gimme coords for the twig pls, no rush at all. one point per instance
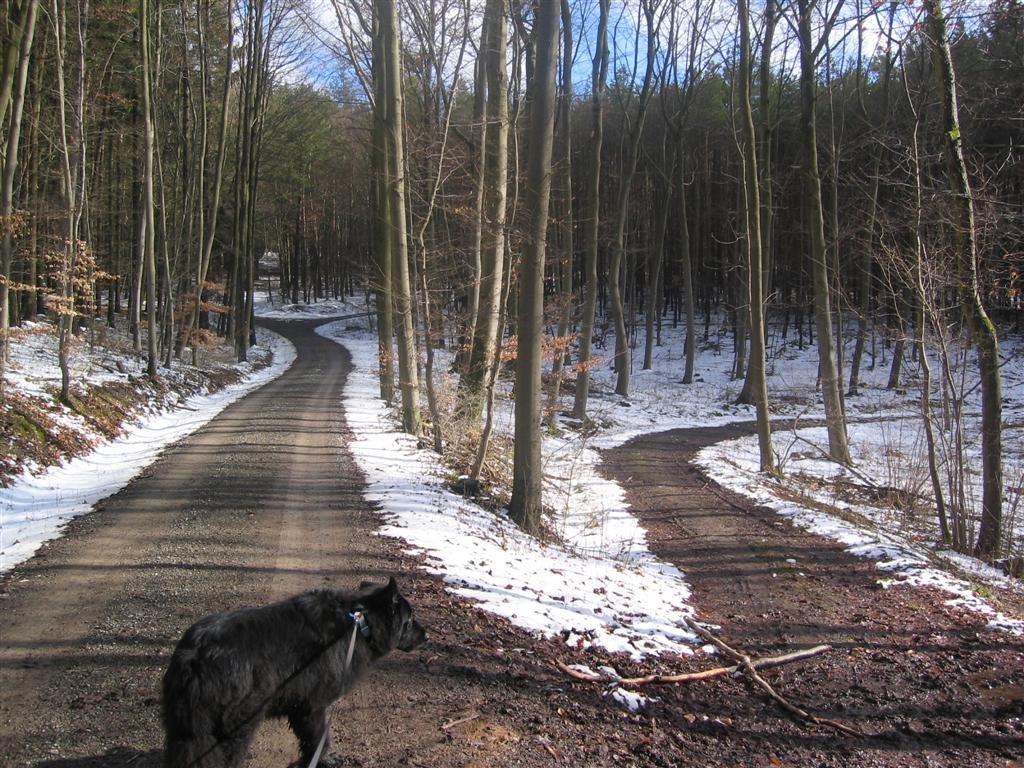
(848, 467)
(689, 677)
(748, 667)
(452, 723)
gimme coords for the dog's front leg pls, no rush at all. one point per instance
(309, 727)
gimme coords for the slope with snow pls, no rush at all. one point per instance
(37, 505)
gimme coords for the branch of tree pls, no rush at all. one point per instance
(749, 668)
(689, 677)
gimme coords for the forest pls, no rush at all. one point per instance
(518, 180)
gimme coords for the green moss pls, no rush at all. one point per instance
(983, 591)
(26, 429)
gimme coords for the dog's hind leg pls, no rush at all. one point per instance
(236, 750)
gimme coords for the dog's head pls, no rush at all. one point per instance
(391, 618)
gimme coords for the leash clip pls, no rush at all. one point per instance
(359, 620)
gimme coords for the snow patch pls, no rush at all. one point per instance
(734, 464)
(604, 589)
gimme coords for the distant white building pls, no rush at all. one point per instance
(269, 263)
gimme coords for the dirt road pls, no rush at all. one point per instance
(265, 501)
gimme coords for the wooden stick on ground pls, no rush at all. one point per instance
(459, 721)
(748, 666)
(689, 677)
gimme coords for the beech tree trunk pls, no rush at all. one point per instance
(756, 378)
(148, 259)
(627, 172)
(381, 280)
(494, 191)
(591, 214)
(814, 209)
(208, 230)
(408, 375)
(14, 97)
(565, 288)
(527, 472)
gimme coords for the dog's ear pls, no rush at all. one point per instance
(393, 589)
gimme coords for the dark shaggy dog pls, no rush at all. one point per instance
(290, 659)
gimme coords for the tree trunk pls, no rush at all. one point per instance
(686, 268)
(479, 156)
(766, 137)
(752, 206)
(208, 232)
(10, 157)
(71, 137)
(148, 259)
(919, 333)
(565, 288)
(381, 281)
(982, 329)
(494, 189)
(590, 215)
(655, 257)
(407, 363)
(527, 472)
(836, 419)
(622, 208)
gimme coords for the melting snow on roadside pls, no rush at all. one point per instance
(607, 590)
(734, 464)
(34, 508)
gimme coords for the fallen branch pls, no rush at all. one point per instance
(749, 668)
(452, 723)
(689, 677)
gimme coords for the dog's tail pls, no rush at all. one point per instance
(190, 737)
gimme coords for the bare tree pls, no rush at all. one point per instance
(599, 76)
(627, 171)
(981, 327)
(809, 51)
(752, 209)
(387, 15)
(527, 473)
(495, 181)
(71, 151)
(15, 78)
(148, 256)
(383, 262)
(207, 228)
(565, 266)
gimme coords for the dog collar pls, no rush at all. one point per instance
(359, 620)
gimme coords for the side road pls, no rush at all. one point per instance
(929, 682)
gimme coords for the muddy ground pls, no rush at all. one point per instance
(266, 501)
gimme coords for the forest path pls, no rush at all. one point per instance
(932, 681)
